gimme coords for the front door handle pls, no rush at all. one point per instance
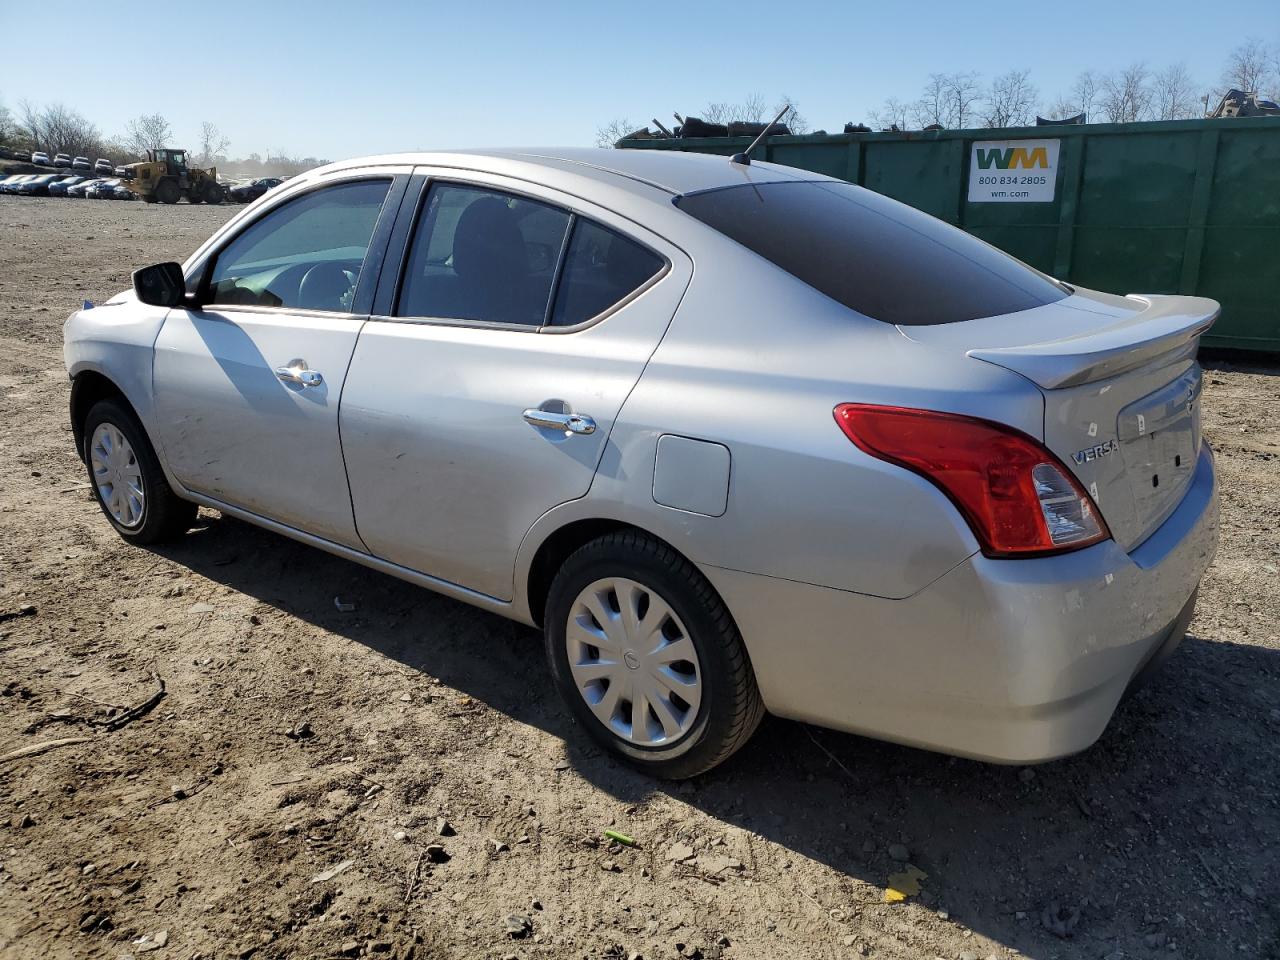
(297, 372)
(569, 422)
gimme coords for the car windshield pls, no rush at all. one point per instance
(875, 255)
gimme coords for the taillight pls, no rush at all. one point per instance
(1017, 497)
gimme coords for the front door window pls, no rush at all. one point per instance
(307, 253)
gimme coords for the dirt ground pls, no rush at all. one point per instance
(213, 826)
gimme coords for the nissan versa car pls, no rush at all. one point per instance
(737, 437)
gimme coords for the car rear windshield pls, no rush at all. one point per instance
(875, 255)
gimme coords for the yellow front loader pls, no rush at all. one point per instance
(165, 178)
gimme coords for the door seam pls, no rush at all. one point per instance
(342, 450)
(521, 594)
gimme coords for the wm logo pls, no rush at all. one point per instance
(1011, 158)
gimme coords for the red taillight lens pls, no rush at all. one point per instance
(1017, 497)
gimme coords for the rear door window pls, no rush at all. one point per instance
(483, 255)
(601, 268)
(879, 257)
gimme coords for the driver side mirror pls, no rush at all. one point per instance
(160, 285)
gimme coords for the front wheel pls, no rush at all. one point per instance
(127, 479)
(168, 192)
(648, 658)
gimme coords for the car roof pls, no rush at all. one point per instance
(638, 171)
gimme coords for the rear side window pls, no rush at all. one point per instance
(483, 255)
(600, 268)
(879, 257)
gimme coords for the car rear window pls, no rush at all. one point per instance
(880, 257)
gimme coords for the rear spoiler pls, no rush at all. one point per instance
(1166, 324)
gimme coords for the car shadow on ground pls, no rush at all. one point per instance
(1157, 835)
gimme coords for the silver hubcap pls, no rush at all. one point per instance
(633, 662)
(117, 475)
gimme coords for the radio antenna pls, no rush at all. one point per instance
(744, 158)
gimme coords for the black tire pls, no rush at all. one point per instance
(730, 708)
(214, 195)
(165, 516)
(194, 198)
(167, 191)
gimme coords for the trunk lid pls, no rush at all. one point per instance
(1121, 390)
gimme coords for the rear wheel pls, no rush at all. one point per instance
(167, 192)
(127, 479)
(648, 658)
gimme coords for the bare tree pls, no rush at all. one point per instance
(718, 112)
(931, 108)
(212, 143)
(56, 129)
(1174, 94)
(892, 113)
(1126, 96)
(1082, 98)
(1086, 92)
(606, 136)
(8, 128)
(30, 125)
(150, 131)
(964, 93)
(796, 121)
(1061, 108)
(753, 109)
(66, 131)
(1249, 66)
(948, 100)
(1011, 101)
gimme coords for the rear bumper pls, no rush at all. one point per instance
(1011, 661)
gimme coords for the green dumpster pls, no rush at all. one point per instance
(1182, 206)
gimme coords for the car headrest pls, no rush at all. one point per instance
(487, 242)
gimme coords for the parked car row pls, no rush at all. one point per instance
(100, 166)
(60, 185)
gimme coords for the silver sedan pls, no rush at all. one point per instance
(737, 437)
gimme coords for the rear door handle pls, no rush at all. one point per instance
(569, 422)
(297, 372)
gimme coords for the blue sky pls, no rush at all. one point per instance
(339, 79)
